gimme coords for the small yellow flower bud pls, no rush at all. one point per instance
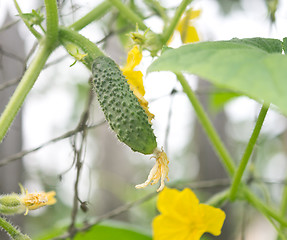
(32, 201)
(19, 203)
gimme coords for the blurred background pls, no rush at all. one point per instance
(110, 170)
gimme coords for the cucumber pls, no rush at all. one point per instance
(121, 107)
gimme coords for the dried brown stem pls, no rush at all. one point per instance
(78, 153)
(71, 133)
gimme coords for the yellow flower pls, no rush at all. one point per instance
(135, 78)
(186, 28)
(32, 201)
(184, 218)
(158, 172)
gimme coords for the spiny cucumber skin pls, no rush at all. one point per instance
(121, 107)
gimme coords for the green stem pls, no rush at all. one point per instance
(46, 47)
(160, 10)
(222, 152)
(67, 36)
(23, 88)
(12, 231)
(247, 153)
(219, 199)
(278, 229)
(170, 29)
(208, 127)
(51, 22)
(283, 207)
(265, 210)
(93, 15)
(128, 14)
(32, 30)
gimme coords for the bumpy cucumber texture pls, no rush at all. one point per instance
(121, 107)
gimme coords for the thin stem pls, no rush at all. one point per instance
(68, 134)
(79, 159)
(32, 30)
(226, 159)
(128, 14)
(12, 231)
(8, 25)
(208, 127)
(160, 10)
(218, 199)
(248, 152)
(23, 89)
(170, 29)
(67, 36)
(278, 229)
(265, 210)
(283, 207)
(93, 15)
(51, 22)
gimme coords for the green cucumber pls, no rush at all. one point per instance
(121, 107)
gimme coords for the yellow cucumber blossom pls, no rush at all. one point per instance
(183, 217)
(186, 28)
(32, 201)
(135, 78)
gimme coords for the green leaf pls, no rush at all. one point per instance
(112, 230)
(254, 67)
(34, 18)
(267, 44)
(104, 232)
(51, 233)
(218, 99)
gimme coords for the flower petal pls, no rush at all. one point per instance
(187, 205)
(213, 218)
(189, 35)
(135, 79)
(51, 197)
(169, 228)
(167, 199)
(134, 59)
(184, 204)
(194, 14)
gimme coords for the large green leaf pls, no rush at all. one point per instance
(254, 67)
(104, 232)
(112, 231)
